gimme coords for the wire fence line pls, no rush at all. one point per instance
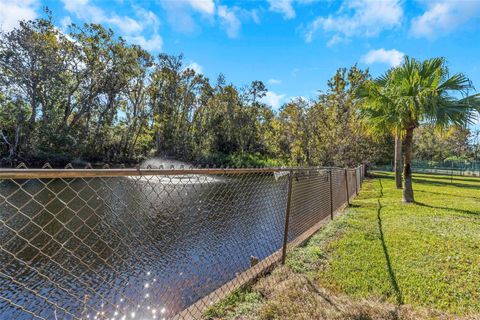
(453, 167)
(448, 167)
(152, 243)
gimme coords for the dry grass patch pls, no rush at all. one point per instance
(290, 295)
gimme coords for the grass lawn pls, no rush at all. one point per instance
(381, 260)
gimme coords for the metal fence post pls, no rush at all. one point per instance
(287, 218)
(451, 176)
(356, 181)
(346, 186)
(331, 194)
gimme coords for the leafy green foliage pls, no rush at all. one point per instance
(452, 143)
(90, 95)
(252, 160)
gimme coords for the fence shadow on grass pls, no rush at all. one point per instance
(475, 213)
(438, 183)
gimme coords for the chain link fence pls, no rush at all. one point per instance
(152, 243)
(447, 167)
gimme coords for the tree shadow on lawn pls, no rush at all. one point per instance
(448, 194)
(391, 272)
(425, 179)
(436, 176)
(382, 175)
(475, 213)
(422, 180)
(445, 183)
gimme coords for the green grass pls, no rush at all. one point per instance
(425, 254)
(382, 256)
(239, 302)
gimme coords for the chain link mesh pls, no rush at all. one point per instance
(153, 246)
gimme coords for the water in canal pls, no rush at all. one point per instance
(142, 247)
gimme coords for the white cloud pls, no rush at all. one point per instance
(391, 57)
(206, 7)
(130, 28)
(254, 16)
(152, 44)
(147, 17)
(195, 67)
(65, 22)
(179, 17)
(442, 17)
(284, 7)
(247, 15)
(274, 81)
(336, 39)
(229, 21)
(273, 99)
(82, 9)
(203, 6)
(358, 18)
(180, 13)
(12, 12)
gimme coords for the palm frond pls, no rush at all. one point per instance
(416, 92)
(458, 82)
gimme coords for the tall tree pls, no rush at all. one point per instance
(425, 92)
(379, 110)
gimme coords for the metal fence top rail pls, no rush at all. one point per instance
(49, 173)
(75, 243)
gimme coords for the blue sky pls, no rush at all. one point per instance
(294, 46)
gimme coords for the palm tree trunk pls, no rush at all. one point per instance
(398, 160)
(407, 170)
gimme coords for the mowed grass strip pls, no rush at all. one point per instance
(426, 253)
(381, 260)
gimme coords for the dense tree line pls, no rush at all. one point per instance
(91, 96)
(455, 143)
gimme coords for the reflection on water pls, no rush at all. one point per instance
(137, 247)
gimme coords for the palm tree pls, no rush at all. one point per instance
(425, 92)
(379, 112)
